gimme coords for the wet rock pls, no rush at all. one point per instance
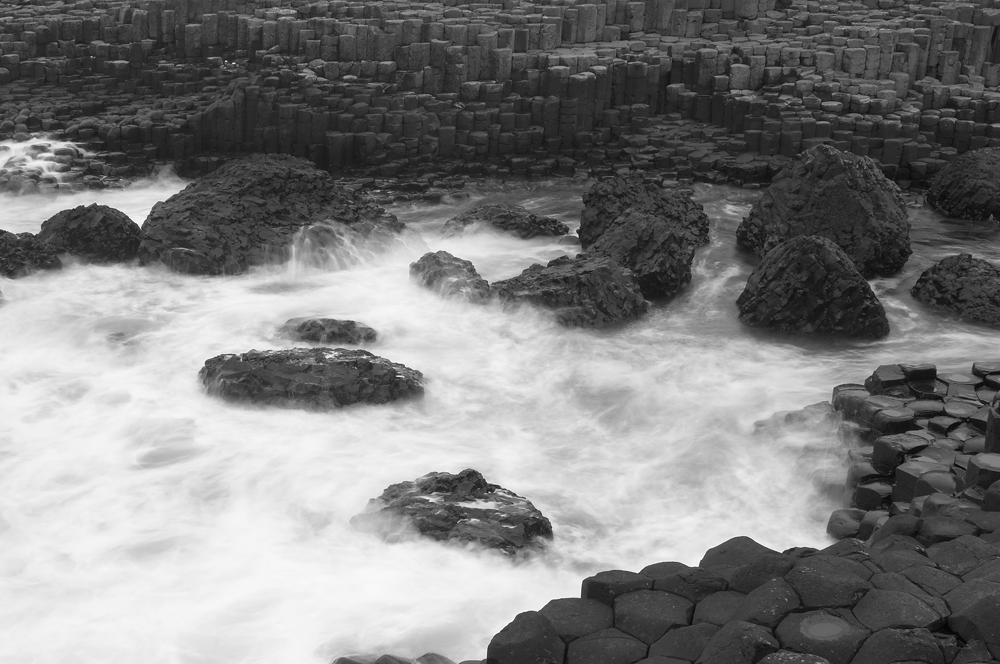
(572, 617)
(23, 254)
(967, 187)
(820, 633)
(450, 276)
(963, 284)
(899, 645)
(649, 614)
(611, 198)
(310, 378)
(528, 638)
(686, 643)
(881, 609)
(718, 608)
(249, 211)
(739, 643)
(609, 646)
(328, 331)
(461, 507)
(822, 587)
(585, 291)
(838, 196)
(694, 584)
(506, 217)
(809, 286)
(97, 233)
(789, 657)
(758, 572)
(606, 586)
(767, 605)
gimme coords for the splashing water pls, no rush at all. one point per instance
(141, 520)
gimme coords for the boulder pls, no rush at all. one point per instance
(586, 291)
(611, 198)
(968, 187)
(328, 331)
(23, 254)
(97, 233)
(808, 286)
(461, 507)
(963, 284)
(838, 196)
(505, 217)
(659, 250)
(450, 276)
(310, 378)
(249, 211)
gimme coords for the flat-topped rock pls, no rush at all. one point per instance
(309, 378)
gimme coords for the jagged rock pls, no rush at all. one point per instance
(328, 331)
(808, 286)
(968, 187)
(506, 217)
(963, 284)
(23, 253)
(586, 291)
(649, 230)
(839, 196)
(249, 211)
(95, 232)
(311, 378)
(611, 198)
(450, 276)
(464, 508)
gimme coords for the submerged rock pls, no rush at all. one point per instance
(609, 199)
(586, 291)
(463, 508)
(23, 254)
(94, 232)
(839, 196)
(310, 378)
(506, 217)
(969, 186)
(249, 211)
(809, 286)
(450, 276)
(966, 285)
(328, 331)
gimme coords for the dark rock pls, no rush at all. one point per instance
(528, 638)
(22, 254)
(844, 523)
(758, 572)
(789, 657)
(505, 217)
(983, 470)
(718, 608)
(967, 187)
(991, 499)
(663, 569)
(573, 618)
(767, 605)
(464, 508)
(820, 633)
(94, 232)
(450, 276)
(962, 555)
(611, 198)
(734, 552)
(686, 643)
(838, 196)
(979, 621)
(606, 586)
(738, 643)
(249, 211)
(935, 529)
(609, 646)
(649, 614)
(963, 597)
(820, 587)
(963, 284)
(585, 291)
(881, 609)
(899, 645)
(931, 579)
(694, 584)
(328, 331)
(809, 286)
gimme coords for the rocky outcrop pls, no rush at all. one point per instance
(966, 285)
(514, 219)
(611, 198)
(586, 291)
(96, 233)
(809, 286)
(249, 211)
(22, 254)
(309, 378)
(328, 331)
(969, 186)
(450, 276)
(839, 196)
(461, 508)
